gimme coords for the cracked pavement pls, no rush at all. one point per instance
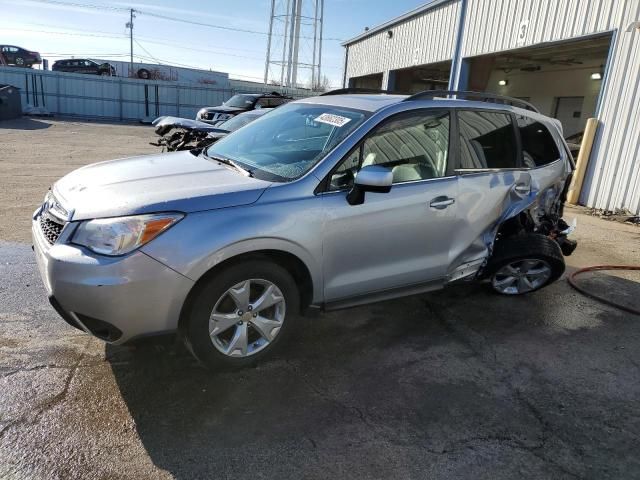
(454, 384)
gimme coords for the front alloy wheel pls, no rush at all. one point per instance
(241, 313)
(247, 318)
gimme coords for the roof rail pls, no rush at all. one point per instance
(345, 91)
(480, 96)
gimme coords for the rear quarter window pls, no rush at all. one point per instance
(538, 146)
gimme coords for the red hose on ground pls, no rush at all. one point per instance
(573, 283)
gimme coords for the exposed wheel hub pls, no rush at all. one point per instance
(247, 318)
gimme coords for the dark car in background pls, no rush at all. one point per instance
(243, 102)
(19, 56)
(83, 65)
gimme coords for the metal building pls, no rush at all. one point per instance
(573, 59)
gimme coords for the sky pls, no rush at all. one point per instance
(96, 29)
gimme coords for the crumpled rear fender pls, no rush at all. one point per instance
(486, 200)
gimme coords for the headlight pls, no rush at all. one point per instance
(118, 236)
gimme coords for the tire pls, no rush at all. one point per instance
(213, 296)
(524, 263)
(144, 74)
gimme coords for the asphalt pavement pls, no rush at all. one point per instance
(455, 384)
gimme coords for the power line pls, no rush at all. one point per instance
(146, 51)
(220, 27)
(162, 17)
(122, 36)
(82, 5)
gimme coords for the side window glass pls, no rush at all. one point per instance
(538, 146)
(414, 146)
(487, 140)
(343, 177)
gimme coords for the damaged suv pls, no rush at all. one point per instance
(327, 202)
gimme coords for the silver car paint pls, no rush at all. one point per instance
(135, 293)
(393, 240)
(177, 181)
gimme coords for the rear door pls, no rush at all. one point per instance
(492, 181)
(399, 239)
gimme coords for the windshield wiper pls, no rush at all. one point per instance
(228, 161)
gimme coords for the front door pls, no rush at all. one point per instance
(400, 238)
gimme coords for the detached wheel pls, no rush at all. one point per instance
(144, 74)
(523, 264)
(242, 314)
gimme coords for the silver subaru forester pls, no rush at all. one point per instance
(327, 202)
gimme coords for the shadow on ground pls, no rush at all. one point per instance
(24, 123)
(459, 383)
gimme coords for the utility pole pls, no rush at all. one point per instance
(130, 27)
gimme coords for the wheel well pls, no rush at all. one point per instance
(286, 260)
(516, 225)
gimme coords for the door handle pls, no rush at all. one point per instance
(440, 203)
(522, 188)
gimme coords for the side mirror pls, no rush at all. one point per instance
(372, 178)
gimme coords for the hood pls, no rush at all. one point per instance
(166, 124)
(225, 109)
(178, 181)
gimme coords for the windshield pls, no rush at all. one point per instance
(236, 122)
(240, 101)
(286, 143)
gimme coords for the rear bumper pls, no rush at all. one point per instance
(112, 298)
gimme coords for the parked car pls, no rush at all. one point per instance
(83, 65)
(242, 102)
(186, 134)
(19, 56)
(325, 203)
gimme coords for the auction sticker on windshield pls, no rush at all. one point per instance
(331, 119)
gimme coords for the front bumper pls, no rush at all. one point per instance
(113, 298)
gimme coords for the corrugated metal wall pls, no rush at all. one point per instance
(613, 179)
(420, 40)
(117, 98)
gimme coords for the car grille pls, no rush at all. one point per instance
(217, 116)
(51, 230)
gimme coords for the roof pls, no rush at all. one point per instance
(406, 16)
(366, 102)
(374, 102)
